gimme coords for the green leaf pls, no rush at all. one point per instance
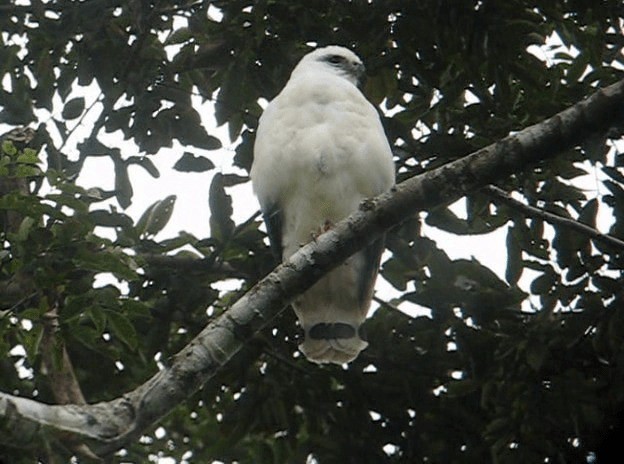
(235, 125)
(576, 68)
(461, 388)
(123, 187)
(25, 228)
(146, 163)
(135, 308)
(183, 238)
(110, 219)
(543, 284)
(206, 141)
(87, 336)
(192, 163)
(32, 341)
(514, 268)
(536, 353)
(230, 180)
(607, 285)
(28, 156)
(8, 148)
(447, 220)
(23, 171)
(156, 216)
(244, 151)
(114, 261)
(221, 224)
(395, 272)
(179, 36)
(122, 328)
(73, 108)
(614, 173)
(595, 148)
(98, 317)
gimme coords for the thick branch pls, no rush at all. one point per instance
(108, 426)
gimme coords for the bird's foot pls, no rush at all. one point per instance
(327, 225)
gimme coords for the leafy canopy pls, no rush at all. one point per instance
(525, 367)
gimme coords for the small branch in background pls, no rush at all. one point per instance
(287, 362)
(59, 370)
(386, 303)
(552, 218)
(11, 294)
(85, 113)
(57, 366)
(187, 264)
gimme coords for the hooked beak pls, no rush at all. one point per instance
(360, 72)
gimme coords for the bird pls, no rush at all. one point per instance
(320, 150)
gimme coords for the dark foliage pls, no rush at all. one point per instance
(525, 368)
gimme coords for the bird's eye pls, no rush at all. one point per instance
(335, 59)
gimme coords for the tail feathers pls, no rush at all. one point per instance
(336, 343)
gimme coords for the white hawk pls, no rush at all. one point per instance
(320, 150)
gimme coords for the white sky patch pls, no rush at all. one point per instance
(106, 278)
(553, 45)
(214, 13)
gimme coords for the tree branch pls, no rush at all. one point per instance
(190, 264)
(107, 426)
(56, 364)
(552, 218)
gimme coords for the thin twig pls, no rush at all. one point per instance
(386, 303)
(552, 218)
(84, 114)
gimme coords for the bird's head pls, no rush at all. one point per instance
(335, 59)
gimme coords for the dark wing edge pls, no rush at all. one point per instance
(368, 276)
(272, 216)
